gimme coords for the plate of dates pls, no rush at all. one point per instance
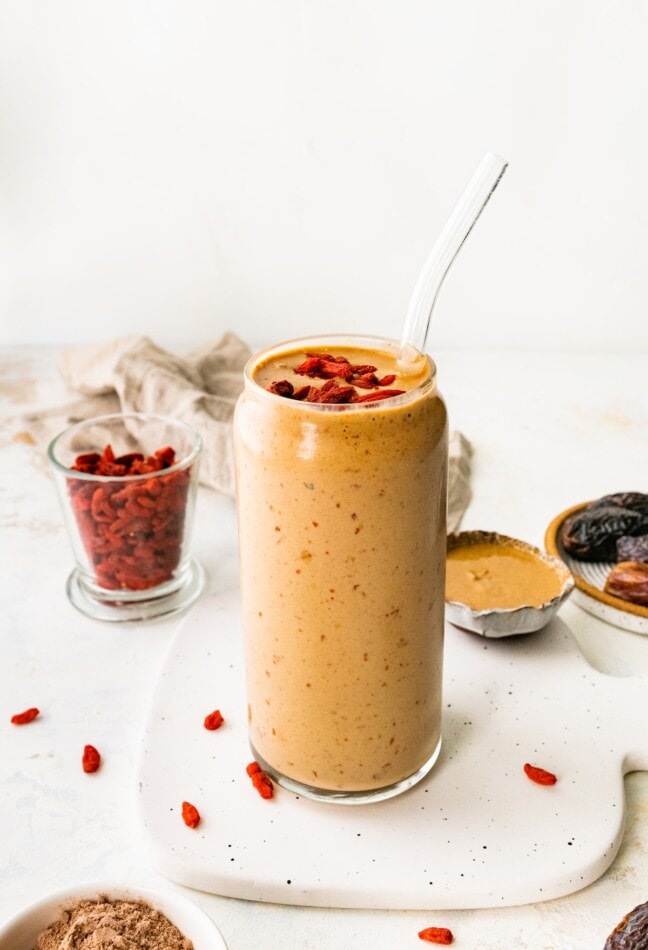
(604, 543)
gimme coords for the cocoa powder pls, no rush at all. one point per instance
(105, 924)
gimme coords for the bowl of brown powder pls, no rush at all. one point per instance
(109, 916)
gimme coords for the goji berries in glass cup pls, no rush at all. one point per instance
(127, 485)
(341, 464)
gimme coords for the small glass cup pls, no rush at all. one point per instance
(130, 533)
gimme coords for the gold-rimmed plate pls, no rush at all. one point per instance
(590, 577)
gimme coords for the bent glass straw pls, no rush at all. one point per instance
(475, 196)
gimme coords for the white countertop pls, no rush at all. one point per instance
(549, 430)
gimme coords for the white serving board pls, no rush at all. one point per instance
(475, 833)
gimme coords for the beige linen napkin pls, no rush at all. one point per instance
(459, 471)
(133, 374)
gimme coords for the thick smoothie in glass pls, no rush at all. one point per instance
(342, 532)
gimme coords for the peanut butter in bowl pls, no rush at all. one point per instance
(499, 586)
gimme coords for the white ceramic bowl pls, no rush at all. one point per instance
(21, 932)
(507, 622)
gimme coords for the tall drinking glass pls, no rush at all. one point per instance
(342, 531)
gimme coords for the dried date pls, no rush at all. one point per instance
(629, 581)
(592, 534)
(633, 549)
(631, 933)
(634, 500)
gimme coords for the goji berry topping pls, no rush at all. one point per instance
(21, 719)
(91, 759)
(214, 720)
(343, 379)
(190, 815)
(438, 935)
(261, 780)
(539, 776)
(132, 531)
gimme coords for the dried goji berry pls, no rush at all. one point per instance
(439, 935)
(282, 388)
(89, 461)
(214, 720)
(310, 366)
(364, 369)
(540, 776)
(91, 760)
(190, 815)
(21, 719)
(133, 534)
(332, 395)
(166, 456)
(332, 368)
(379, 394)
(129, 458)
(261, 780)
(263, 784)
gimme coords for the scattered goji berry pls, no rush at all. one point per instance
(540, 776)
(91, 760)
(261, 780)
(214, 720)
(21, 719)
(190, 815)
(439, 935)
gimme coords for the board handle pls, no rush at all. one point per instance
(628, 716)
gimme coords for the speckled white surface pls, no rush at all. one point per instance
(475, 833)
(549, 429)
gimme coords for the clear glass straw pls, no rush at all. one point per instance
(448, 244)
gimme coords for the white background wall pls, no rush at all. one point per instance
(179, 167)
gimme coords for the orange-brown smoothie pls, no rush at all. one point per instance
(342, 538)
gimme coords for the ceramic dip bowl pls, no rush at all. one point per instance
(499, 586)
